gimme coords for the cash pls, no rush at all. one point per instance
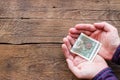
(86, 47)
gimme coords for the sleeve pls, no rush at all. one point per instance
(116, 56)
(106, 74)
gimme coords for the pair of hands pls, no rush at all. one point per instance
(104, 33)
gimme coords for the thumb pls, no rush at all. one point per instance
(104, 26)
(95, 34)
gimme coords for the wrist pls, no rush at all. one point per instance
(112, 51)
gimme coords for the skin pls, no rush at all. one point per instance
(80, 67)
(103, 32)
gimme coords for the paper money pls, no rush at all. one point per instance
(86, 47)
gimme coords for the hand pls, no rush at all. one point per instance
(103, 32)
(108, 36)
(80, 67)
(87, 29)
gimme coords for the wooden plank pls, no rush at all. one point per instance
(114, 1)
(38, 30)
(45, 21)
(57, 9)
(114, 7)
(60, 14)
(35, 62)
(38, 4)
(65, 14)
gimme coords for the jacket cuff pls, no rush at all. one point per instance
(105, 74)
(116, 56)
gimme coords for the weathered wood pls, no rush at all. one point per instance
(35, 62)
(94, 9)
(38, 30)
(114, 1)
(38, 4)
(56, 9)
(63, 14)
(43, 22)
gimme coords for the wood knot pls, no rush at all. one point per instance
(54, 6)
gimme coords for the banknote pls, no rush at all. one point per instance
(86, 47)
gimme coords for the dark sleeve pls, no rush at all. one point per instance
(116, 56)
(106, 74)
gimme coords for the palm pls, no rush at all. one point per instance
(83, 68)
(79, 66)
(108, 43)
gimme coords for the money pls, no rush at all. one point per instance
(86, 47)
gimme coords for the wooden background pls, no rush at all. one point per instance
(31, 33)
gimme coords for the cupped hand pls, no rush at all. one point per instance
(80, 67)
(103, 32)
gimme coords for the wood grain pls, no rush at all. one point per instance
(35, 62)
(38, 26)
(59, 9)
(38, 30)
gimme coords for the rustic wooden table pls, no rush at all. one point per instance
(31, 33)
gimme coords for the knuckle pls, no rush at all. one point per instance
(104, 22)
(115, 29)
(77, 25)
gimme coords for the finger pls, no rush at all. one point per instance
(66, 52)
(104, 26)
(75, 31)
(66, 41)
(71, 40)
(72, 67)
(87, 27)
(95, 34)
(75, 36)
